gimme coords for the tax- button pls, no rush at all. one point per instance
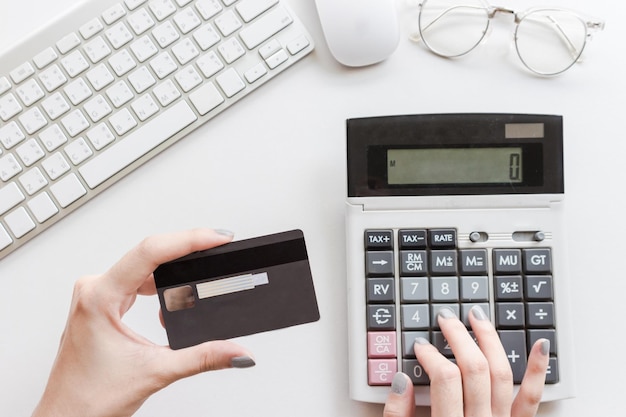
(379, 263)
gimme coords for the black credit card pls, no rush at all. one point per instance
(243, 287)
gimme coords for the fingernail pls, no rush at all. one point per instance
(446, 313)
(224, 232)
(242, 362)
(421, 341)
(479, 313)
(399, 383)
(545, 347)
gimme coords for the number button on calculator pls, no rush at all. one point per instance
(513, 286)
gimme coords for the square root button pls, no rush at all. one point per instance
(381, 371)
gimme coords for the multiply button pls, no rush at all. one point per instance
(378, 239)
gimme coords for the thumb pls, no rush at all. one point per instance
(209, 356)
(400, 402)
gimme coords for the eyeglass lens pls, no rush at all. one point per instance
(547, 41)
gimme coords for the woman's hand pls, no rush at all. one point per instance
(103, 368)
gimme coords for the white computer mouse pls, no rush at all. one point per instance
(359, 32)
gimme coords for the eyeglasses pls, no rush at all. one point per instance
(548, 41)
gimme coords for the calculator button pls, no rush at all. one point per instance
(381, 344)
(473, 261)
(552, 374)
(380, 290)
(539, 287)
(434, 309)
(415, 371)
(540, 314)
(415, 316)
(537, 261)
(474, 289)
(412, 239)
(408, 340)
(414, 290)
(508, 287)
(379, 263)
(381, 371)
(441, 343)
(413, 263)
(510, 315)
(533, 335)
(381, 317)
(467, 307)
(378, 239)
(444, 289)
(507, 261)
(443, 262)
(514, 342)
(442, 238)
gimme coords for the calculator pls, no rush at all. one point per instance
(455, 210)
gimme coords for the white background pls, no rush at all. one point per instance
(276, 161)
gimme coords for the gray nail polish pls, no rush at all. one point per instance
(242, 362)
(421, 341)
(446, 313)
(545, 347)
(398, 384)
(224, 232)
(479, 313)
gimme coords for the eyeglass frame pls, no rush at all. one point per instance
(591, 26)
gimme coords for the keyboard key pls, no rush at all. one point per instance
(113, 14)
(11, 135)
(119, 94)
(5, 85)
(165, 34)
(141, 79)
(187, 20)
(208, 8)
(42, 207)
(122, 122)
(78, 151)
(52, 137)
(44, 58)
(122, 62)
(77, 91)
(209, 64)
(10, 196)
(55, 106)
(9, 167)
(185, 51)
(206, 98)
(119, 35)
(100, 136)
(144, 107)
(250, 9)
(141, 141)
(230, 82)
(163, 65)
(188, 78)
(30, 152)
(5, 239)
(133, 4)
(166, 93)
(75, 123)
(9, 106)
(67, 43)
(143, 48)
(55, 166)
(162, 8)
(67, 190)
(33, 120)
(227, 23)
(100, 77)
(97, 49)
(19, 222)
(33, 181)
(52, 78)
(206, 37)
(266, 26)
(140, 21)
(90, 28)
(97, 108)
(22, 72)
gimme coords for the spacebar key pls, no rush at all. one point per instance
(137, 144)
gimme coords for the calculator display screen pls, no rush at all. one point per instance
(484, 165)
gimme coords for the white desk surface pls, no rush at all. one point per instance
(284, 168)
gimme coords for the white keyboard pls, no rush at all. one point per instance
(107, 86)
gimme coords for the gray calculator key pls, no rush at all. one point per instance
(514, 342)
(434, 322)
(441, 343)
(415, 371)
(378, 239)
(467, 307)
(415, 316)
(474, 288)
(380, 290)
(552, 374)
(473, 261)
(444, 289)
(507, 261)
(532, 335)
(379, 263)
(443, 262)
(537, 261)
(412, 239)
(540, 314)
(509, 288)
(442, 238)
(413, 263)
(414, 290)
(381, 317)
(509, 315)
(539, 287)
(408, 340)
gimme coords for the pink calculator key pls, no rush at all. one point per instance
(381, 371)
(381, 345)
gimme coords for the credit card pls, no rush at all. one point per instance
(241, 288)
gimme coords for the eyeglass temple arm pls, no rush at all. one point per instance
(416, 36)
